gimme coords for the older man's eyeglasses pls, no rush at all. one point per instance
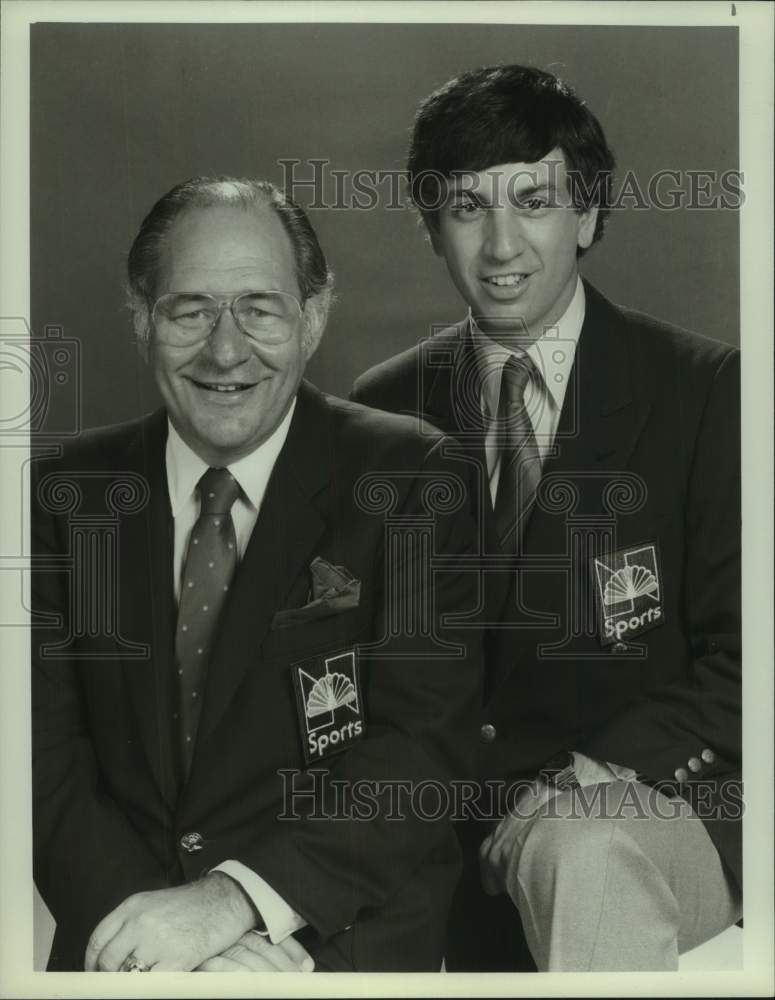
(185, 319)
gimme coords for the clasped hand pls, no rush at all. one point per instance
(203, 926)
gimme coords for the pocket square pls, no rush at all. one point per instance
(334, 589)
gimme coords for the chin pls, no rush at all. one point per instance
(235, 445)
(223, 448)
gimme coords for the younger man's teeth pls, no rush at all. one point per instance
(506, 279)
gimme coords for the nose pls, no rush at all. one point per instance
(504, 237)
(227, 345)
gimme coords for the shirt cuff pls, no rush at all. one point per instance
(595, 772)
(279, 919)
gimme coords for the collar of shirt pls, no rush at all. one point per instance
(185, 468)
(552, 354)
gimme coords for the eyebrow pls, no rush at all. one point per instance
(546, 187)
(462, 192)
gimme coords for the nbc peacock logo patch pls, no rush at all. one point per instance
(629, 593)
(329, 704)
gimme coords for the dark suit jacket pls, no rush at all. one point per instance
(655, 410)
(109, 819)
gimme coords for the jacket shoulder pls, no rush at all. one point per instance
(103, 447)
(395, 384)
(377, 433)
(668, 340)
(663, 357)
(399, 452)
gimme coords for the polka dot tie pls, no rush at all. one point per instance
(520, 469)
(209, 567)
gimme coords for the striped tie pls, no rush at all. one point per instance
(520, 460)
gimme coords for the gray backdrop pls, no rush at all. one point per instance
(120, 113)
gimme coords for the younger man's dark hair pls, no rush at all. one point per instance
(507, 114)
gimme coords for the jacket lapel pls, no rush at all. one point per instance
(601, 419)
(601, 415)
(452, 402)
(147, 607)
(447, 372)
(281, 548)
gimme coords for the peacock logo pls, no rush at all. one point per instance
(329, 704)
(628, 584)
(329, 693)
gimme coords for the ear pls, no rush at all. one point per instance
(314, 321)
(586, 228)
(141, 322)
(434, 234)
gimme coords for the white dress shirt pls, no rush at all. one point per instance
(184, 470)
(552, 354)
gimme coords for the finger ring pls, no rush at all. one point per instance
(134, 964)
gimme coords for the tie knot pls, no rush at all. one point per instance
(218, 490)
(518, 372)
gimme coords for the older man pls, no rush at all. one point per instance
(220, 779)
(608, 446)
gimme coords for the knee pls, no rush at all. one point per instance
(560, 843)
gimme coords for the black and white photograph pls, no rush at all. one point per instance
(387, 474)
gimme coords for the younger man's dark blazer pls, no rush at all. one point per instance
(109, 818)
(647, 454)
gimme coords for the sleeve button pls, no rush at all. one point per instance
(192, 842)
(488, 732)
(695, 763)
(708, 756)
(681, 774)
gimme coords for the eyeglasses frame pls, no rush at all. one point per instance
(224, 303)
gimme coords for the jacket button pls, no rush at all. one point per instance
(708, 756)
(192, 842)
(619, 647)
(488, 732)
(694, 764)
(681, 774)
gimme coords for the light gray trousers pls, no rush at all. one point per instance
(621, 888)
